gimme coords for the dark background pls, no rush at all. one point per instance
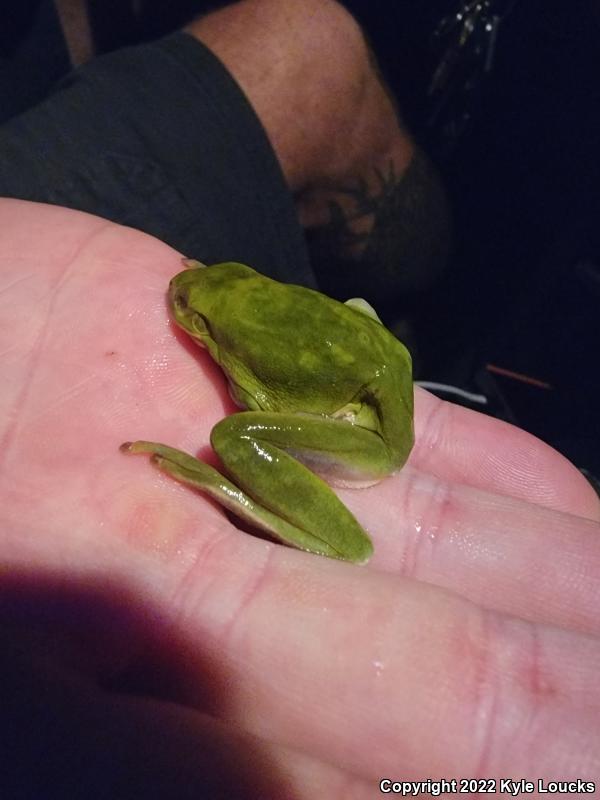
(522, 289)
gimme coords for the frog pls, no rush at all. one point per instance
(326, 398)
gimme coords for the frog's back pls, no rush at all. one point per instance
(295, 346)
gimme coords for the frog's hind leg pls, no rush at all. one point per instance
(280, 484)
(201, 476)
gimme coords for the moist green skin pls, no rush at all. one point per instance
(326, 386)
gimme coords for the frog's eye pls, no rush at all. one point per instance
(180, 301)
(190, 319)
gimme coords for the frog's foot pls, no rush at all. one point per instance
(160, 451)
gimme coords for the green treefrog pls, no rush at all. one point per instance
(327, 389)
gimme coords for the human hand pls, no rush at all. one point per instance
(150, 646)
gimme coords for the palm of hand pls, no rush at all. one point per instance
(90, 359)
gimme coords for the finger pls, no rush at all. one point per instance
(388, 675)
(323, 657)
(501, 553)
(463, 446)
(376, 674)
(70, 738)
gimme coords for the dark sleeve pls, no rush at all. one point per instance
(161, 138)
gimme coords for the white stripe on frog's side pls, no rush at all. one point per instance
(331, 471)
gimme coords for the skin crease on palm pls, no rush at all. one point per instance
(467, 647)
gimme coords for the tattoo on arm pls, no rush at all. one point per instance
(384, 240)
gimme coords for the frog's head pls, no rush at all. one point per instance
(197, 295)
